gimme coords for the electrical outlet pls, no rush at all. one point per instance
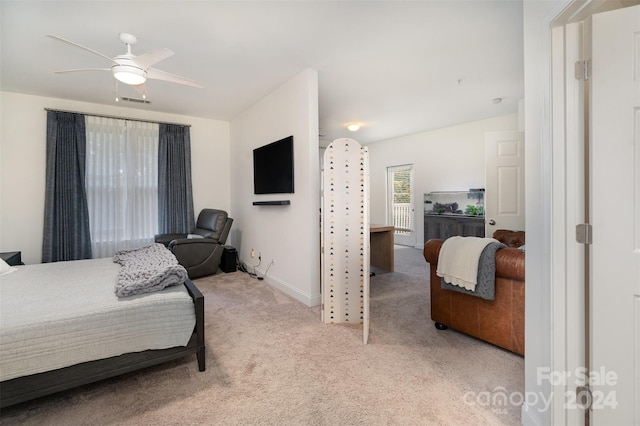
(253, 253)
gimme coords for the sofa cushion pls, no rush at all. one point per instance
(510, 238)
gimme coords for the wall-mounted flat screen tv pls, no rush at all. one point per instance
(273, 167)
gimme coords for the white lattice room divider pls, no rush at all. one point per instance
(345, 234)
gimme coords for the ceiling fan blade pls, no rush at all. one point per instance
(149, 59)
(55, 37)
(163, 75)
(82, 69)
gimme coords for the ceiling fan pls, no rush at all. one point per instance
(131, 69)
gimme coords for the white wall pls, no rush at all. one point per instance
(538, 317)
(289, 235)
(23, 156)
(447, 159)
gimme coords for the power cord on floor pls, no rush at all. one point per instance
(255, 274)
(242, 267)
(267, 271)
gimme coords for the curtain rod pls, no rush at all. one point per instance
(118, 118)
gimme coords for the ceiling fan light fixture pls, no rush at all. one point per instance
(129, 74)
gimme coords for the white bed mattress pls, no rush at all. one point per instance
(59, 314)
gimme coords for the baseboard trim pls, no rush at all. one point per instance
(310, 300)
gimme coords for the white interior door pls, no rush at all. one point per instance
(615, 207)
(401, 204)
(504, 180)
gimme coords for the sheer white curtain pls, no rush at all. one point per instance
(121, 183)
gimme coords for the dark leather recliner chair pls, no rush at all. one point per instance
(200, 251)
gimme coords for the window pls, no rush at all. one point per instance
(121, 183)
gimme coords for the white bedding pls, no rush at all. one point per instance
(59, 314)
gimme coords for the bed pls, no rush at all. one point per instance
(63, 326)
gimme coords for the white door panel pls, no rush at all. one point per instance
(615, 207)
(504, 174)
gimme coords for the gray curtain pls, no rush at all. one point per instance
(66, 217)
(175, 196)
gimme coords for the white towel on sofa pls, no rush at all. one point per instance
(458, 260)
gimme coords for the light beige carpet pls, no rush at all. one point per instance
(270, 361)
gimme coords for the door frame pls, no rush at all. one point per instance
(400, 239)
(563, 166)
(568, 171)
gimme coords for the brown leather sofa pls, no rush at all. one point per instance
(499, 321)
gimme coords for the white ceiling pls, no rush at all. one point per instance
(397, 67)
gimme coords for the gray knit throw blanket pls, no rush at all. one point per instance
(486, 287)
(147, 269)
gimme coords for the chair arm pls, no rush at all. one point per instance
(510, 262)
(432, 250)
(199, 256)
(165, 239)
(193, 251)
(192, 241)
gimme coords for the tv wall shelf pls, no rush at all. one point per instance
(272, 203)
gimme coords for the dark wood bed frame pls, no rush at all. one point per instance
(34, 386)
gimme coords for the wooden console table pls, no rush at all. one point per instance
(381, 246)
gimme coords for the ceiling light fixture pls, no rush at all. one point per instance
(354, 127)
(496, 100)
(129, 74)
